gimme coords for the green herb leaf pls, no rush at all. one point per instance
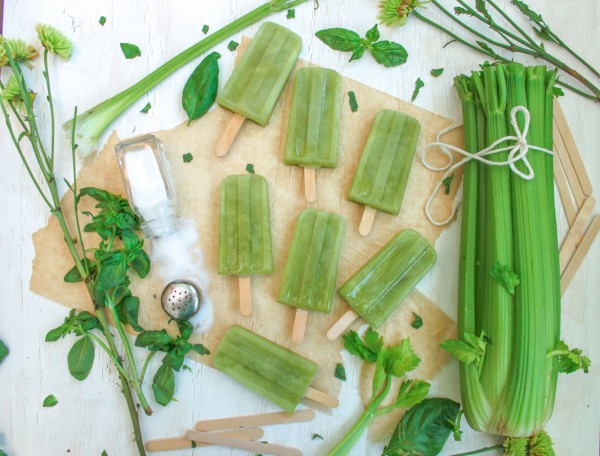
(570, 360)
(187, 157)
(194, 444)
(471, 350)
(50, 401)
(353, 102)
(3, 351)
(73, 275)
(250, 168)
(447, 182)
(185, 329)
(340, 39)
(146, 108)
(174, 359)
(102, 20)
(424, 428)
(358, 53)
(505, 277)
(367, 350)
(200, 349)
(411, 393)
(340, 372)
(419, 84)
(131, 308)
(316, 437)
(388, 53)
(400, 359)
(112, 271)
(154, 340)
(104, 453)
(205, 29)
(200, 90)
(164, 385)
(373, 34)
(54, 334)
(130, 51)
(233, 45)
(291, 14)
(81, 358)
(140, 263)
(417, 321)
(437, 72)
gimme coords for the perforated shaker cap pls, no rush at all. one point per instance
(181, 299)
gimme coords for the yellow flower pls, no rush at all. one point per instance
(396, 12)
(20, 51)
(54, 41)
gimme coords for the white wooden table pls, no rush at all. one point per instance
(91, 416)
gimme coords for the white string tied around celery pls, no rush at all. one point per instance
(516, 152)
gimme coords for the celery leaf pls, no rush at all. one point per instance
(570, 360)
(471, 350)
(367, 350)
(505, 277)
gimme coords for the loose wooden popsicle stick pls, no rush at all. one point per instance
(580, 253)
(232, 442)
(264, 419)
(564, 191)
(322, 398)
(341, 325)
(245, 295)
(572, 150)
(575, 234)
(567, 165)
(366, 222)
(310, 184)
(181, 443)
(299, 325)
(230, 134)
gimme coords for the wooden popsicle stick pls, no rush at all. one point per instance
(181, 443)
(264, 419)
(232, 442)
(564, 191)
(572, 150)
(299, 325)
(567, 166)
(321, 398)
(366, 222)
(230, 134)
(575, 234)
(341, 325)
(310, 184)
(580, 253)
(245, 295)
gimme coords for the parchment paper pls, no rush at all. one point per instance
(197, 185)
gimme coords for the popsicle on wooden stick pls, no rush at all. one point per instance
(311, 269)
(257, 81)
(382, 173)
(245, 232)
(314, 124)
(274, 372)
(380, 286)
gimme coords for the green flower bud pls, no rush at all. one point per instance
(396, 12)
(54, 41)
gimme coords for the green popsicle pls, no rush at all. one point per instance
(265, 367)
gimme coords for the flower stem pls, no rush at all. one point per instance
(148, 358)
(51, 104)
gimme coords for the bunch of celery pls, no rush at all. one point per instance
(509, 286)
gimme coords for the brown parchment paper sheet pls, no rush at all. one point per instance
(197, 185)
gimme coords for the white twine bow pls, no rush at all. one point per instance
(516, 152)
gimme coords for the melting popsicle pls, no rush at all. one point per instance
(380, 179)
(257, 81)
(274, 372)
(314, 124)
(245, 232)
(380, 286)
(311, 269)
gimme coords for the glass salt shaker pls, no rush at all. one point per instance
(149, 184)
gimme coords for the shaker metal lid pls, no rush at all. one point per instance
(181, 299)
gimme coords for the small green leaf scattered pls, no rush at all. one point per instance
(187, 157)
(146, 108)
(104, 453)
(50, 401)
(437, 72)
(291, 14)
(447, 183)
(419, 84)
(81, 358)
(102, 20)
(233, 45)
(3, 351)
(316, 437)
(353, 102)
(205, 29)
(417, 321)
(130, 51)
(505, 277)
(570, 360)
(340, 372)
(250, 168)
(200, 90)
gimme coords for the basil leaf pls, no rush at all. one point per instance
(373, 34)
(419, 84)
(56, 333)
(130, 51)
(340, 39)
(200, 349)
(131, 309)
(154, 339)
(185, 329)
(140, 264)
(81, 358)
(50, 401)
(113, 272)
(352, 101)
(73, 275)
(437, 72)
(187, 157)
(358, 53)
(87, 321)
(424, 428)
(102, 20)
(200, 90)
(174, 359)
(3, 351)
(417, 321)
(250, 168)
(233, 45)
(146, 108)
(340, 372)
(164, 385)
(388, 53)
